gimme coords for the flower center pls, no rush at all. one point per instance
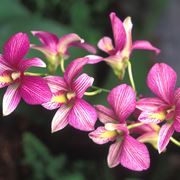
(15, 75)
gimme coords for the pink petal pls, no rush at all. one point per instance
(4, 66)
(16, 48)
(93, 59)
(177, 110)
(146, 45)
(34, 90)
(134, 155)
(82, 116)
(152, 116)
(51, 105)
(60, 119)
(102, 135)
(165, 133)
(118, 31)
(162, 80)
(151, 104)
(66, 41)
(74, 68)
(123, 101)
(33, 62)
(56, 83)
(105, 115)
(81, 84)
(11, 99)
(46, 38)
(105, 44)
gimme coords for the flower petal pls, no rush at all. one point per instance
(4, 66)
(81, 84)
(151, 104)
(146, 45)
(83, 116)
(11, 99)
(66, 41)
(162, 80)
(74, 68)
(177, 117)
(118, 31)
(16, 48)
(102, 135)
(56, 83)
(93, 59)
(33, 62)
(34, 90)
(123, 101)
(165, 133)
(46, 38)
(60, 119)
(105, 114)
(105, 44)
(134, 154)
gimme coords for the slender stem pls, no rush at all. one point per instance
(131, 76)
(98, 91)
(135, 125)
(176, 142)
(62, 64)
(35, 74)
(102, 89)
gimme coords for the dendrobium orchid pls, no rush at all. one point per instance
(165, 107)
(56, 49)
(126, 150)
(33, 90)
(67, 95)
(120, 52)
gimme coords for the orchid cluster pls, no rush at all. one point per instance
(128, 123)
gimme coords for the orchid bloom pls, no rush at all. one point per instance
(67, 96)
(165, 107)
(120, 52)
(33, 90)
(55, 48)
(126, 150)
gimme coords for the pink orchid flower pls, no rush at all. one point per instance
(33, 90)
(161, 80)
(120, 52)
(126, 150)
(56, 48)
(67, 96)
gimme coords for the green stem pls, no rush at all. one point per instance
(135, 125)
(62, 64)
(102, 89)
(98, 91)
(176, 142)
(131, 76)
(35, 74)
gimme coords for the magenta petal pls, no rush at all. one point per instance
(105, 44)
(165, 133)
(93, 59)
(177, 116)
(118, 31)
(66, 41)
(102, 136)
(151, 104)
(60, 119)
(134, 155)
(105, 115)
(74, 68)
(56, 83)
(82, 116)
(4, 66)
(81, 84)
(123, 101)
(162, 80)
(11, 99)
(46, 38)
(146, 45)
(33, 62)
(16, 48)
(34, 90)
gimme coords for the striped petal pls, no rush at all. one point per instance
(60, 119)
(11, 99)
(16, 48)
(82, 116)
(162, 80)
(123, 101)
(4, 66)
(81, 84)
(34, 90)
(118, 31)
